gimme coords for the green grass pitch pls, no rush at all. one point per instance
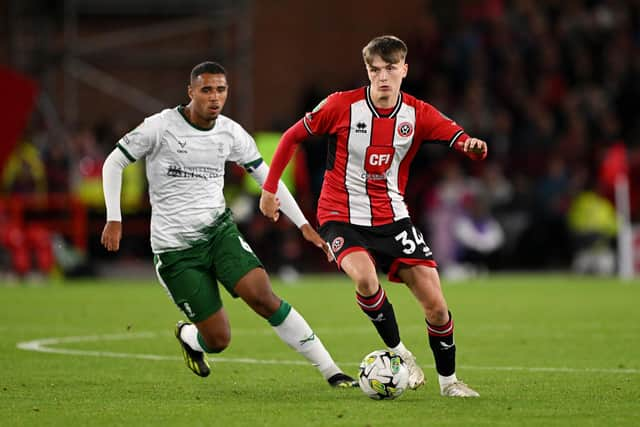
(543, 350)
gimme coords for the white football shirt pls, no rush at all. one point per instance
(185, 171)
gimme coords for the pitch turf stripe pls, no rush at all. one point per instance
(43, 345)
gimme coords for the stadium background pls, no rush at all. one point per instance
(552, 86)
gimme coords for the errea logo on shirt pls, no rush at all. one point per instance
(361, 127)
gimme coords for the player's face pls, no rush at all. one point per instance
(386, 79)
(208, 93)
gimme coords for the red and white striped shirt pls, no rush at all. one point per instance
(370, 153)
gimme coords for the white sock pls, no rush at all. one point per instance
(297, 333)
(189, 334)
(445, 381)
(400, 348)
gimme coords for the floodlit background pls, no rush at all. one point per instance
(552, 86)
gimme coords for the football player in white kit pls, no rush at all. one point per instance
(193, 236)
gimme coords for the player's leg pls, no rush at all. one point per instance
(241, 273)
(255, 289)
(424, 283)
(211, 335)
(373, 301)
(371, 296)
(192, 286)
(348, 244)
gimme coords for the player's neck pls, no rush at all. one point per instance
(196, 121)
(384, 101)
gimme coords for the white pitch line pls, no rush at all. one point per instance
(44, 346)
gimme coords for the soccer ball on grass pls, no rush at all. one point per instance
(383, 375)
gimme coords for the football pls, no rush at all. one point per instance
(383, 375)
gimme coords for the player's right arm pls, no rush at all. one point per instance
(132, 146)
(111, 188)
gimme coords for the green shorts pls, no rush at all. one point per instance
(191, 275)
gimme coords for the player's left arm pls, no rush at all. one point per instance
(316, 122)
(269, 203)
(474, 148)
(288, 205)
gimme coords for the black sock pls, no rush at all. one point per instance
(443, 347)
(380, 311)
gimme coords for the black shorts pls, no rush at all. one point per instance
(389, 245)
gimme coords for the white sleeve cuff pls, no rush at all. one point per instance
(288, 204)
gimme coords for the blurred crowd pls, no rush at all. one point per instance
(551, 86)
(52, 209)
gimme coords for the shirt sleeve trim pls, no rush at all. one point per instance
(455, 137)
(126, 153)
(306, 126)
(251, 166)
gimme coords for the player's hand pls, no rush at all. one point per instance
(312, 236)
(270, 206)
(475, 148)
(111, 235)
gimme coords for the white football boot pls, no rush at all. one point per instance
(416, 376)
(458, 389)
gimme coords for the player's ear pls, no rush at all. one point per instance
(190, 91)
(405, 66)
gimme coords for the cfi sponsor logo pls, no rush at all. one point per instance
(378, 160)
(405, 129)
(337, 243)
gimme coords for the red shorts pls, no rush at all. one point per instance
(389, 245)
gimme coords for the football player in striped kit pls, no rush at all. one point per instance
(374, 133)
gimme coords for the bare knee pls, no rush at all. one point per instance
(216, 341)
(360, 268)
(438, 316)
(436, 309)
(215, 331)
(366, 285)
